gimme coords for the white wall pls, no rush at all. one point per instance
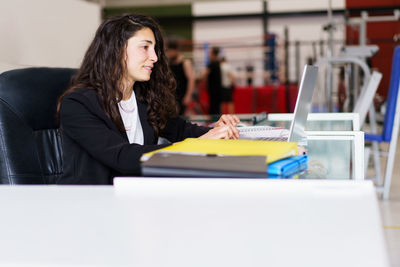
(256, 6)
(240, 42)
(275, 5)
(304, 29)
(54, 33)
(226, 7)
(239, 32)
(303, 5)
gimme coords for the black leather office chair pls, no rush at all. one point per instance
(30, 147)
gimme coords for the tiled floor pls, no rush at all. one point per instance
(390, 211)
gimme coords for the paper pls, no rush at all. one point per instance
(263, 132)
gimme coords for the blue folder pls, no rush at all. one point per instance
(288, 166)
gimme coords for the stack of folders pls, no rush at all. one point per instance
(189, 165)
(220, 158)
(286, 168)
(272, 150)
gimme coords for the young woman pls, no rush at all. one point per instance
(120, 101)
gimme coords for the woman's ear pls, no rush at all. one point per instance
(125, 56)
(125, 53)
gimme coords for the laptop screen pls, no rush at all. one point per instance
(303, 104)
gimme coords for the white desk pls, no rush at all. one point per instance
(193, 222)
(62, 226)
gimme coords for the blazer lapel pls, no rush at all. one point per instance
(98, 110)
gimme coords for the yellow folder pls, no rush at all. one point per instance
(274, 150)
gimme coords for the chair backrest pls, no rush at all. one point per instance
(366, 97)
(392, 96)
(31, 151)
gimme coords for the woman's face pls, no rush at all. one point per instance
(140, 55)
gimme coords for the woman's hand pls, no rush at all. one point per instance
(224, 128)
(227, 120)
(222, 132)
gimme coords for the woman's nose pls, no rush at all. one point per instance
(153, 56)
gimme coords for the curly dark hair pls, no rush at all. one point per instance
(103, 69)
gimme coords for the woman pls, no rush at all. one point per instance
(120, 102)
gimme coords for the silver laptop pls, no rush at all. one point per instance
(302, 108)
(252, 222)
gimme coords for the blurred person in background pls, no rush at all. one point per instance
(341, 90)
(184, 75)
(227, 83)
(213, 75)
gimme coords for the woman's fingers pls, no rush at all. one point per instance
(220, 122)
(228, 132)
(231, 119)
(232, 132)
(222, 132)
(235, 119)
(227, 120)
(235, 133)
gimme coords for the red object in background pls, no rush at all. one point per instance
(268, 98)
(378, 33)
(271, 99)
(371, 3)
(203, 99)
(243, 99)
(293, 91)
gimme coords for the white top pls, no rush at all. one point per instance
(130, 117)
(225, 80)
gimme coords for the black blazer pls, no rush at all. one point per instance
(95, 151)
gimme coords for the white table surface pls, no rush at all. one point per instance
(192, 222)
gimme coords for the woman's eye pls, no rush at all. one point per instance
(145, 47)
